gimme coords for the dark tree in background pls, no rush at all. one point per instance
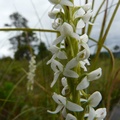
(43, 51)
(24, 43)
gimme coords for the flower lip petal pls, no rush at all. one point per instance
(61, 55)
(94, 75)
(100, 113)
(70, 117)
(73, 107)
(59, 107)
(94, 99)
(83, 84)
(64, 81)
(54, 1)
(71, 64)
(66, 3)
(79, 13)
(91, 115)
(56, 75)
(87, 6)
(80, 24)
(58, 40)
(70, 73)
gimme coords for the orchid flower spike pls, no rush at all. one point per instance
(31, 73)
(94, 75)
(66, 30)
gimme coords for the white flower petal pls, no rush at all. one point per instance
(54, 1)
(66, 2)
(87, 62)
(59, 107)
(56, 98)
(87, 49)
(75, 35)
(58, 40)
(71, 64)
(70, 73)
(84, 38)
(87, 6)
(87, 16)
(73, 107)
(61, 55)
(95, 99)
(80, 24)
(53, 14)
(53, 49)
(82, 55)
(64, 113)
(83, 84)
(64, 81)
(91, 115)
(94, 75)
(79, 13)
(66, 29)
(64, 89)
(82, 65)
(70, 117)
(100, 113)
(56, 75)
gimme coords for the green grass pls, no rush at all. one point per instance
(16, 103)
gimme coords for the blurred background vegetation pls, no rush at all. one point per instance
(16, 103)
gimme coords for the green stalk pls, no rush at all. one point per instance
(28, 29)
(94, 18)
(103, 36)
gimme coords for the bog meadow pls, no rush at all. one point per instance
(74, 77)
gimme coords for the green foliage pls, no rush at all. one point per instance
(43, 51)
(23, 53)
(16, 103)
(33, 105)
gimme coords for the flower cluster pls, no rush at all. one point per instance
(69, 62)
(31, 73)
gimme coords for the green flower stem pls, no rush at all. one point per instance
(28, 29)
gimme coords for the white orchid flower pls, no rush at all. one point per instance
(99, 114)
(61, 2)
(57, 52)
(70, 117)
(83, 41)
(64, 104)
(83, 63)
(57, 23)
(65, 85)
(84, 19)
(66, 30)
(80, 56)
(94, 75)
(84, 13)
(55, 65)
